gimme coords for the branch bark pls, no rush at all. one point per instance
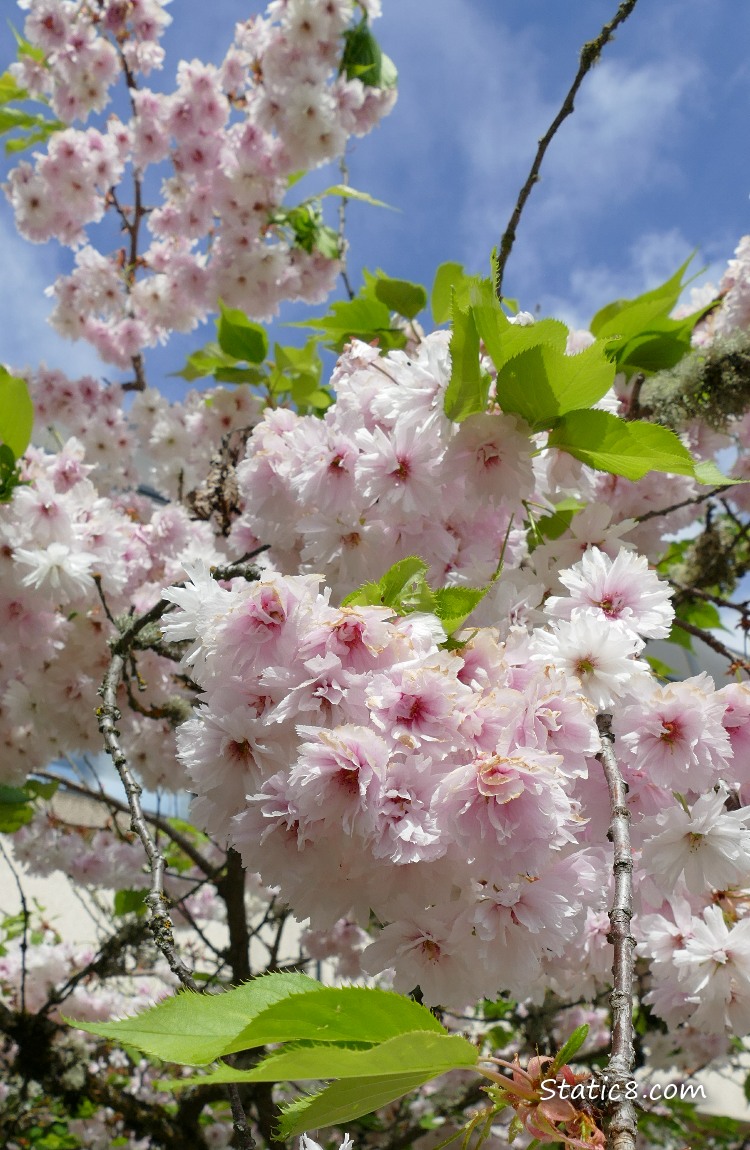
(622, 1123)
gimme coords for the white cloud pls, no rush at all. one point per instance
(616, 143)
(26, 339)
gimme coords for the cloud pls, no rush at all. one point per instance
(651, 259)
(26, 339)
(619, 141)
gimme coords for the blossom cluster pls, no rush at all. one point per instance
(463, 775)
(233, 135)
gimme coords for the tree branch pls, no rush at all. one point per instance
(590, 53)
(26, 919)
(736, 662)
(623, 1122)
(696, 499)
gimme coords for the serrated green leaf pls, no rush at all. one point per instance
(447, 277)
(630, 449)
(505, 340)
(344, 1101)
(403, 587)
(417, 1052)
(195, 1029)
(16, 413)
(399, 578)
(468, 387)
(364, 318)
(708, 473)
(665, 296)
(642, 334)
(453, 605)
(368, 595)
(337, 1014)
(240, 337)
(542, 383)
(570, 1048)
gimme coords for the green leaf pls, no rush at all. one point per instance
(468, 387)
(448, 276)
(195, 1029)
(16, 413)
(416, 1052)
(241, 338)
(700, 614)
(130, 902)
(400, 579)
(663, 670)
(630, 449)
(555, 524)
(542, 383)
(362, 59)
(453, 605)
(364, 317)
(642, 334)
(238, 375)
(12, 795)
(403, 587)
(571, 1047)
(348, 193)
(344, 1101)
(680, 638)
(37, 789)
(15, 809)
(709, 474)
(337, 1014)
(407, 299)
(10, 475)
(205, 362)
(505, 340)
(665, 296)
(10, 89)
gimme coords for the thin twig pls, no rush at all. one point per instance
(695, 500)
(26, 917)
(343, 242)
(590, 53)
(108, 715)
(708, 597)
(737, 663)
(623, 1121)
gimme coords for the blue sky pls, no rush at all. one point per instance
(653, 164)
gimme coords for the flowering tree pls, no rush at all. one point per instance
(389, 630)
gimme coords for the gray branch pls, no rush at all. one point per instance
(622, 1125)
